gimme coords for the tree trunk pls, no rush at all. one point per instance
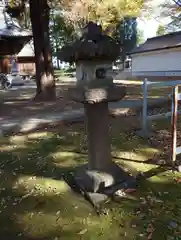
(56, 43)
(39, 14)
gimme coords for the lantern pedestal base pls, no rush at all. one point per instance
(94, 181)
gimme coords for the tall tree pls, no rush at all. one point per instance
(172, 9)
(39, 16)
(126, 34)
(140, 37)
(178, 2)
(61, 32)
(118, 18)
(106, 12)
(75, 12)
(175, 24)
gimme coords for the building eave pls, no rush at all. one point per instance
(154, 50)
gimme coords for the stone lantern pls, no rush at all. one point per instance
(94, 54)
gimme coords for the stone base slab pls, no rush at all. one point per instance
(93, 181)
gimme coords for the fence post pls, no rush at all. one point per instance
(172, 107)
(174, 123)
(143, 132)
(145, 107)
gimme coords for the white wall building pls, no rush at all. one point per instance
(158, 55)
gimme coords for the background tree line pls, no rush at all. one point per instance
(55, 23)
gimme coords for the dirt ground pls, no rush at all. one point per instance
(19, 103)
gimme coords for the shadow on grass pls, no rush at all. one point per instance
(36, 203)
(32, 163)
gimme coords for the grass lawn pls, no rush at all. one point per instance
(36, 203)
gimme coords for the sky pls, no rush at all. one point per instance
(150, 26)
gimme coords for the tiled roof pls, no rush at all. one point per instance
(13, 31)
(171, 40)
(9, 27)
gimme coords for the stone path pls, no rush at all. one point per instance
(27, 124)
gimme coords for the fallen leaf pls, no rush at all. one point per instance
(150, 228)
(83, 231)
(120, 193)
(58, 213)
(178, 180)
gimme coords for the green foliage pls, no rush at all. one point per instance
(161, 30)
(60, 32)
(107, 12)
(118, 18)
(126, 34)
